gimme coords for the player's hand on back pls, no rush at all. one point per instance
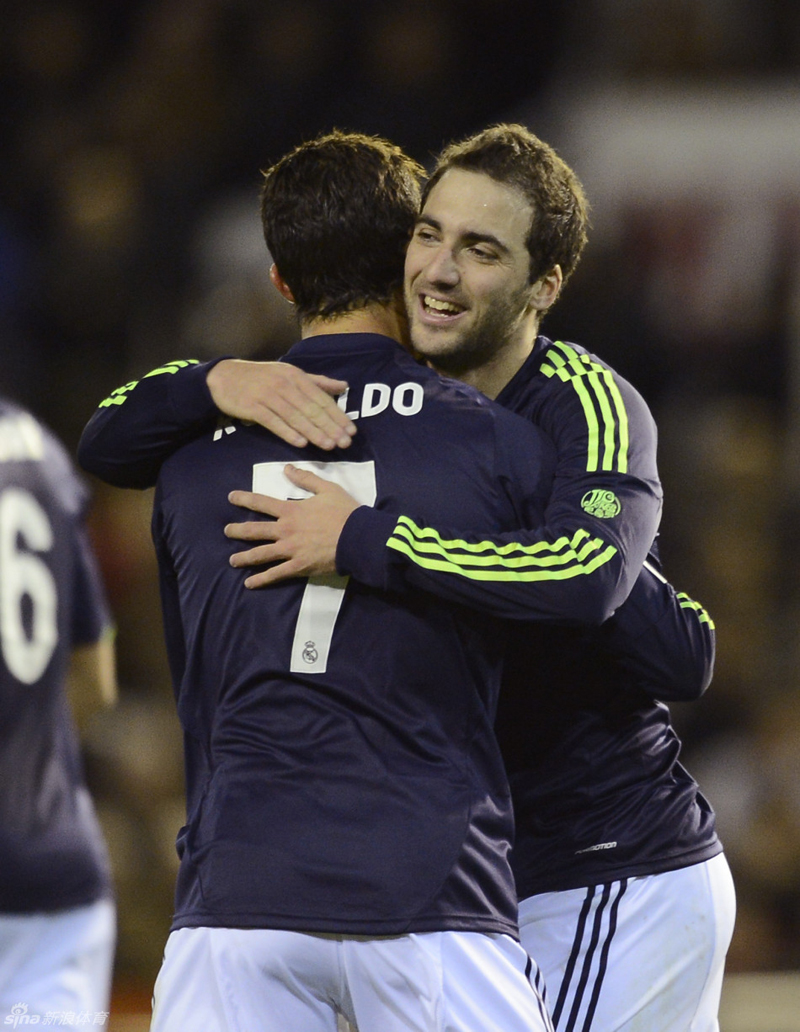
(301, 541)
(296, 406)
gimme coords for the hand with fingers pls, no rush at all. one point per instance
(296, 406)
(302, 539)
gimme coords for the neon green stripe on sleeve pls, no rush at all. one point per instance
(702, 614)
(116, 397)
(612, 407)
(622, 418)
(486, 561)
(560, 369)
(501, 576)
(172, 367)
(571, 367)
(592, 425)
(408, 528)
(609, 423)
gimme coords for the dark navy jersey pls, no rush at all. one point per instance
(592, 757)
(52, 856)
(591, 754)
(601, 520)
(580, 564)
(342, 770)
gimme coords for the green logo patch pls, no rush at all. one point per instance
(603, 504)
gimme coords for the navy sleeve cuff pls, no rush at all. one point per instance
(362, 552)
(189, 395)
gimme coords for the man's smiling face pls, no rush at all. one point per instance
(467, 286)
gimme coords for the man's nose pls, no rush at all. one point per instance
(443, 268)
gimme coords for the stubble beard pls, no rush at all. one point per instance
(477, 346)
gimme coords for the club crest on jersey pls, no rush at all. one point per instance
(310, 654)
(603, 504)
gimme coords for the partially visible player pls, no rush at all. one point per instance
(348, 821)
(57, 916)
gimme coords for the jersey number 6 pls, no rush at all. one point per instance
(25, 530)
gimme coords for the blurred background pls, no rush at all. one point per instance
(132, 138)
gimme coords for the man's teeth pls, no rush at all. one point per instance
(440, 306)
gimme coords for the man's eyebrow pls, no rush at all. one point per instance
(469, 238)
(486, 238)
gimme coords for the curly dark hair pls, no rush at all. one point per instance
(337, 213)
(512, 155)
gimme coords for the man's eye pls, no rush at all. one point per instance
(482, 253)
(425, 235)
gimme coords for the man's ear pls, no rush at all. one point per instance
(280, 284)
(546, 289)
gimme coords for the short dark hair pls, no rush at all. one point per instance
(338, 212)
(512, 155)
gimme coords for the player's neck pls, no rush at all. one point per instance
(387, 320)
(492, 374)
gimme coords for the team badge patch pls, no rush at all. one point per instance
(310, 654)
(603, 504)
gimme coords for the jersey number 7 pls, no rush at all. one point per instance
(323, 596)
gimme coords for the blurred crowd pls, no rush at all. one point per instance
(133, 135)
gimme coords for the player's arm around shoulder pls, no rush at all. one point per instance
(140, 424)
(573, 561)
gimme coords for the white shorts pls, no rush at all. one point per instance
(57, 964)
(238, 980)
(640, 953)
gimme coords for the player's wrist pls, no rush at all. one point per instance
(361, 551)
